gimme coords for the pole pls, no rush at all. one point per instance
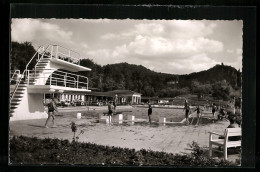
(56, 51)
(77, 81)
(28, 77)
(65, 78)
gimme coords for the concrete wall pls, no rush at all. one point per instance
(30, 107)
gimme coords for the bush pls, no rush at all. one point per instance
(28, 150)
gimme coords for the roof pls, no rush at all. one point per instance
(123, 92)
(120, 93)
(97, 93)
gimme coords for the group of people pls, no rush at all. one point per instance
(113, 104)
(221, 115)
(187, 109)
(52, 107)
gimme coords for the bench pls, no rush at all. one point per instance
(224, 142)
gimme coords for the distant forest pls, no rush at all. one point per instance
(220, 81)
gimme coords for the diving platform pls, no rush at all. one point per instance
(45, 89)
(68, 66)
(54, 72)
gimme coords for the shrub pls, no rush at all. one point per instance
(28, 150)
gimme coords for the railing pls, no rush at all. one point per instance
(59, 78)
(54, 51)
(22, 78)
(15, 76)
(60, 52)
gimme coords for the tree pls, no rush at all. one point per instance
(221, 90)
(21, 54)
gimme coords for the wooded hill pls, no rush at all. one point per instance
(220, 81)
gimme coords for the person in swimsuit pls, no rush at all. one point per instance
(110, 111)
(115, 102)
(51, 108)
(213, 109)
(187, 110)
(150, 111)
(199, 110)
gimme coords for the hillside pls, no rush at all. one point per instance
(221, 81)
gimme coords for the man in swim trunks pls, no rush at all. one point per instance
(51, 108)
(150, 111)
(187, 110)
(213, 109)
(199, 110)
(110, 112)
(115, 102)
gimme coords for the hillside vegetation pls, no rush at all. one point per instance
(221, 81)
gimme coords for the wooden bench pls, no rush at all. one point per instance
(225, 142)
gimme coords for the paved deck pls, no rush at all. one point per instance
(173, 138)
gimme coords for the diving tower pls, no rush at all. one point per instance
(54, 72)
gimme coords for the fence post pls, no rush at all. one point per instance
(35, 72)
(57, 52)
(65, 78)
(51, 51)
(28, 77)
(77, 81)
(87, 83)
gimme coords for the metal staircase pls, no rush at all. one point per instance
(27, 79)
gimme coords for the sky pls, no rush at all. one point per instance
(167, 46)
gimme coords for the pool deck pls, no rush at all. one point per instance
(171, 138)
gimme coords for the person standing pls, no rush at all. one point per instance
(213, 110)
(110, 112)
(115, 102)
(51, 108)
(150, 111)
(199, 110)
(187, 110)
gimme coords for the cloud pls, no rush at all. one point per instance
(97, 20)
(157, 46)
(239, 51)
(170, 46)
(84, 45)
(194, 63)
(190, 28)
(164, 38)
(33, 29)
(230, 51)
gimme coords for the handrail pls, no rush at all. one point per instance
(67, 49)
(62, 77)
(24, 72)
(15, 72)
(34, 56)
(51, 55)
